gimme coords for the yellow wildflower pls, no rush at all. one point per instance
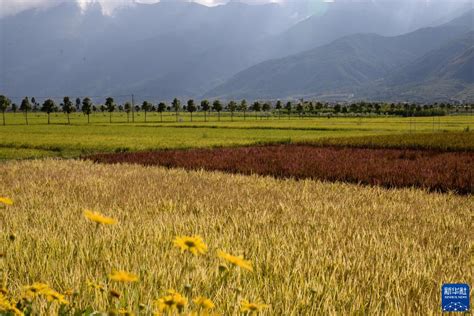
(36, 289)
(204, 303)
(53, 296)
(235, 260)
(95, 286)
(6, 201)
(123, 311)
(171, 302)
(193, 244)
(203, 313)
(248, 307)
(69, 292)
(6, 306)
(4, 303)
(123, 276)
(99, 218)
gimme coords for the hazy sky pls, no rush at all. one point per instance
(14, 6)
(8, 7)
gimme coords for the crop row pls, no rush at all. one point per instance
(432, 170)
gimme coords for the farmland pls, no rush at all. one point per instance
(316, 248)
(354, 243)
(59, 139)
(387, 167)
(236, 157)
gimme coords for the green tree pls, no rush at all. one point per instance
(34, 105)
(300, 109)
(176, 104)
(337, 108)
(67, 107)
(127, 108)
(205, 106)
(25, 107)
(161, 109)
(14, 108)
(288, 108)
(243, 107)
(78, 104)
(377, 107)
(110, 107)
(4, 104)
(217, 106)
(278, 107)
(87, 108)
(146, 107)
(266, 107)
(232, 107)
(48, 107)
(311, 108)
(191, 108)
(256, 107)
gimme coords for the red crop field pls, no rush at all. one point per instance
(429, 169)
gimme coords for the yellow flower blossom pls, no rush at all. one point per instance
(95, 286)
(171, 302)
(99, 218)
(204, 303)
(248, 307)
(8, 307)
(123, 311)
(123, 276)
(36, 289)
(53, 296)
(69, 292)
(6, 201)
(203, 313)
(193, 244)
(235, 260)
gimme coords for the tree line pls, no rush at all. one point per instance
(300, 108)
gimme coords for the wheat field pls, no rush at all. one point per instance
(316, 248)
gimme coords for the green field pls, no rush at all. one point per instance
(38, 139)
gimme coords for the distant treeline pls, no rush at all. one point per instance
(301, 108)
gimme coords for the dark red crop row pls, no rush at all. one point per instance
(433, 170)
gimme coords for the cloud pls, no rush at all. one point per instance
(9, 7)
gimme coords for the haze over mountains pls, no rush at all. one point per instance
(432, 63)
(344, 50)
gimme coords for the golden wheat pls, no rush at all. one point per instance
(315, 248)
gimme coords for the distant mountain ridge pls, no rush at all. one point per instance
(362, 65)
(181, 49)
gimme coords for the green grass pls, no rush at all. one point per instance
(285, 122)
(38, 139)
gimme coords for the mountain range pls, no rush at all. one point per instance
(181, 49)
(433, 63)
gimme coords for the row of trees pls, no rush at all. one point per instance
(301, 108)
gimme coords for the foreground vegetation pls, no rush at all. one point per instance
(79, 138)
(314, 248)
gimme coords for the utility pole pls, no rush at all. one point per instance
(133, 109)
